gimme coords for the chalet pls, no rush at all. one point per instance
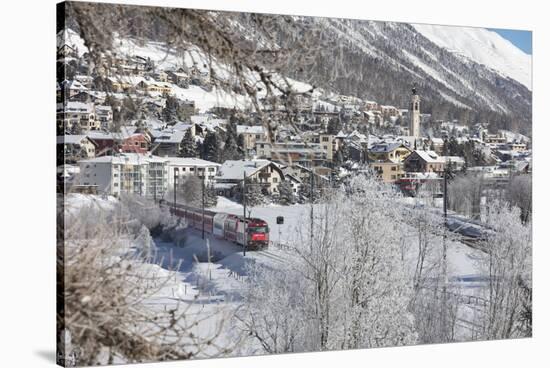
(70, 88)
(424, 162)
(104, 115)
(77, 115)
(268, 175)
(168, 143)
(75, 147)
(388, 171)
(394, 152)
(251, 134)
(179, 77)
(125, 141)
(151, 85)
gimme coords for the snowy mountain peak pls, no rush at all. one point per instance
(482, 46)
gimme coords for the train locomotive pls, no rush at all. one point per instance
(224, 225)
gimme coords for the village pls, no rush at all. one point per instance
(287, 209)
(131, 128)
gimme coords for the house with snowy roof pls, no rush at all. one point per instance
(392, 151)
(72, 148)
(168, 143)
(264, 173)
(424, 161)
(251, 134)
(73, 114)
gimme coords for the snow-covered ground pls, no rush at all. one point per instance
(215, 289)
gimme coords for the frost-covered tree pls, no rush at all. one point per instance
(464, 194)
(520, 194)
(508, 267)
(254, 195)
(286, 193)
(352, 285)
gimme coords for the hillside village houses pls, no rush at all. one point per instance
(268, 175)
(251, 134)
(143, 158)
(77, 115)
(75, 147)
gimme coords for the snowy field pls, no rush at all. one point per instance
(216, 288)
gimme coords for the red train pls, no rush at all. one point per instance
(224, 225)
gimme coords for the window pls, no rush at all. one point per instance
(393, 177)
(393, 168)
(258, 136)
(275, 180)
(325, 139)
(211, 169)
(192, 169)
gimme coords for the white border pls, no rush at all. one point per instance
(27, 73)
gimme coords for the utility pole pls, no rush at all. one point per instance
(244, 215)
(311, 209)
(445, 278)
(203, 203)
(175, 187)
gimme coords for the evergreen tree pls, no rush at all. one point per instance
(286, 193)
(189, 146)
(170, 111)
(211, 147)
(231, 149)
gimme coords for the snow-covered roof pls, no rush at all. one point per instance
(170, 136)
(70, 139)
(76, 106)
(430, 156)
(126, 158)
(189, 161)
(234, 169)
(256, 129)
(385, 147)
(73, 85)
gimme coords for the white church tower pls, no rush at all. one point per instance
(414, 115)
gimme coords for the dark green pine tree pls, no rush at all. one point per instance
(231, 150)
(189, 147)
(211, 148)
(170, 111)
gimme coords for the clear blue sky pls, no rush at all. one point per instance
(522, 39)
